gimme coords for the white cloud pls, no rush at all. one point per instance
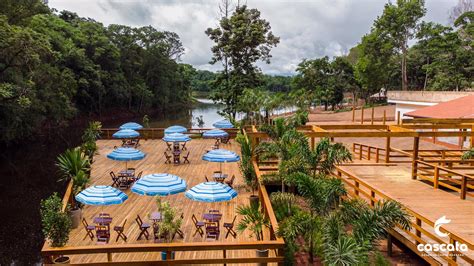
(307, 29)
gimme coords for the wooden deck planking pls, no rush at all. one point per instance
(154, 162)
(396, 183)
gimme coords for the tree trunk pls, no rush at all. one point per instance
(404, 68)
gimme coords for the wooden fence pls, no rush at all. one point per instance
(158, 133)
(422, 228)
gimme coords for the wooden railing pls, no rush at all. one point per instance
(368, 152)
(422, 228)
(448, 178)
(158, 133)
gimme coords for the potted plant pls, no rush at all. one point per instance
(255, 221)
(246, 167)
(169, 224)
(56, 224)
(89, 138)
(74, 165)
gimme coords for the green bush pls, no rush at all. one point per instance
(56, 223)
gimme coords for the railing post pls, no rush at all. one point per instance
(356, 189)
(417, 231)
(353, 147)
(224, 253)
(389, 245)
(384, 117)
(168, 255)
(398, 118)
(377, 153)
(463, 187)
(451, 254)
(372, 198)
(414, 164)
(360, 152)
(109, 257)
(436, 177)
(362, 115)
(372, 116)
(369, 149)
(353, 113)
(387, 150)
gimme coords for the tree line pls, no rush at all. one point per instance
(57, 65)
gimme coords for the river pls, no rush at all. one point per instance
(28, 174)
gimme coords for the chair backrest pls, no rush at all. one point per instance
(217, 172)
(102, 214)
(131, 169)
(233, 220)
(232, 179)
(139, 220)
(187, 155)
(124, 222)
(84, 222)
(214, 211)
(195, 220)
(112, 174)
(207, 179)
(139, 175)
(167, 155)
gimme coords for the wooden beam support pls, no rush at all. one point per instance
(414, 164)
(372, 116)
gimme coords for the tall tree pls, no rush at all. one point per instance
(460, 8)
(241, 40)
(398, 24)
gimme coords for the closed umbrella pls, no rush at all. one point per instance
(215, 133)
(221, 156)
(211, 192)
(131, 125)
(175, 129)
(126, 134)
(176, 137)
(159, 185)
(223, 124)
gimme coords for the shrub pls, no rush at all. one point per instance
(56, 223)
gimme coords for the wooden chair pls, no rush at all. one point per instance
(119, 229)
(115, 179)
(198, 226)
(168, 157)
(230, 183)
(225, 140)
(186, 158)
(124, 183)
(183, 146)
(89, 229)
(169, 146)
(212, 231)
(137, 143)
(178, 231)
(143, 228)
(135, 179)
(230, 228)
(102, 233)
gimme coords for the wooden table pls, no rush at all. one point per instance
(126, 172)
(212, 217)
(219, 177)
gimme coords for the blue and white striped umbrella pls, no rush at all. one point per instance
(159, 185)
(215, 133)
(223, 124)
(126, 154)
(221, 156)
(131, 125)
(175, 129)
(126, 134)
(176, 137)
(211, 192)
(101, 195)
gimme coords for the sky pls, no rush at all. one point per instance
(307, 29)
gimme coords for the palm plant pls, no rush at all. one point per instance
(283, 204)
(327, 154)
(246, 164)
(170, 223)
(253, 220)
(71, 162)
(91, 134)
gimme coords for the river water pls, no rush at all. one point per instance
(28, 174)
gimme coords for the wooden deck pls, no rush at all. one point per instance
(154, 162)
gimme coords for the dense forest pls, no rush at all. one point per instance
(54, 66)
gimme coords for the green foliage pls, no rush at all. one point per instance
(284, 205)
(89, 68)
(91, 134)
(240, 41)
(245, 164)
(56, 224)
(468, 155)
(71, 162)
(252, 219)
(327, 154)
(326, 81)
(146, 121)
(170, 221)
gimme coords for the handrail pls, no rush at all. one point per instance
(67, 199)
(154, 133)
(358, 148)
(374, 195)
